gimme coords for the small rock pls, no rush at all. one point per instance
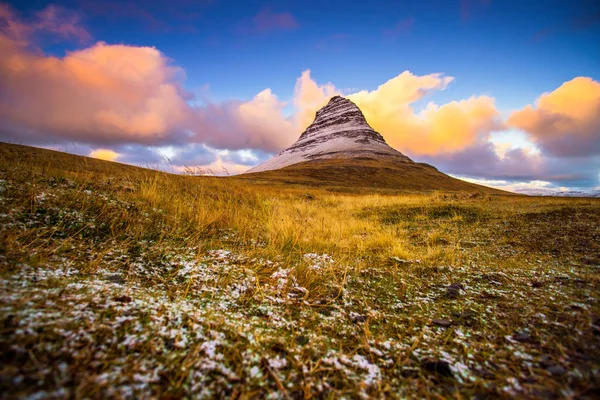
(453, 291)
(464, 314)
(437, 366)
(537, 284)
(324, 311)
(355, 317)
(409, 372)
(522, 337)
(546, 361)
(279, 347)
(302, 340)
(123, 299)
(484, 373)
(116, 279)
(556, 370)
(399, 260)
(441, 322)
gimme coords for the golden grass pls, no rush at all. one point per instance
(323, 278)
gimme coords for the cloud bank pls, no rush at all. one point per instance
(566, 121)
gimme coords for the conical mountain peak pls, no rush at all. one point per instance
(339, 130)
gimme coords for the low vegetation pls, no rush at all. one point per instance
(124, 282)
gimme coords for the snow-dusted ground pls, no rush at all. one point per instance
(118, 321)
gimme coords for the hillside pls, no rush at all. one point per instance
(364, 173)
(124, 282)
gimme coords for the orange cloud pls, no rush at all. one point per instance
(441, 129)
(104, 154)
(100, 94)
(111, 94)
(566, 121)
(61, 22)
(263, 123)
(436, 129)
(310, 97)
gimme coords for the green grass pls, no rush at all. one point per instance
(120, 281)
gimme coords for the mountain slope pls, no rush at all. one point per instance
(372, 173)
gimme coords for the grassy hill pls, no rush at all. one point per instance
(363, 173)
(124, 282)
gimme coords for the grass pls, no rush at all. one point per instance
(356, 175)
(120, 281)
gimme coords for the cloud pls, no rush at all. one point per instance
(104, 154)
(193, 155)
(455, 136)
(310, 97)
(435, 129)
(101, 94)
(566, 121)
(388, 109)
(154, 16)
(402, 26)
(534, 187)
(119, 94)
(518, 164)
(63, 23)
(266, 21)
(255, 124)
(58, 22)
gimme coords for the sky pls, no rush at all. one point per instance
(504, 93)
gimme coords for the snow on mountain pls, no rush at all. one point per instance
(339, 130)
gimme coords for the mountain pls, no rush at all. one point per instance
(339, 130)
(341, 149)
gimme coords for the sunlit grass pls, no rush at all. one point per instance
(122, 281)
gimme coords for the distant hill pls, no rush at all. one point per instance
(560, 193)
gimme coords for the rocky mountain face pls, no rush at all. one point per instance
(339, 130)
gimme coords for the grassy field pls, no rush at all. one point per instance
(122, 282)
(356, 175)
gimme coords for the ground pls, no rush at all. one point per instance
(121, 282)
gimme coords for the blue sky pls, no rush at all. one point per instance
(513, 50)
(227, 52)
